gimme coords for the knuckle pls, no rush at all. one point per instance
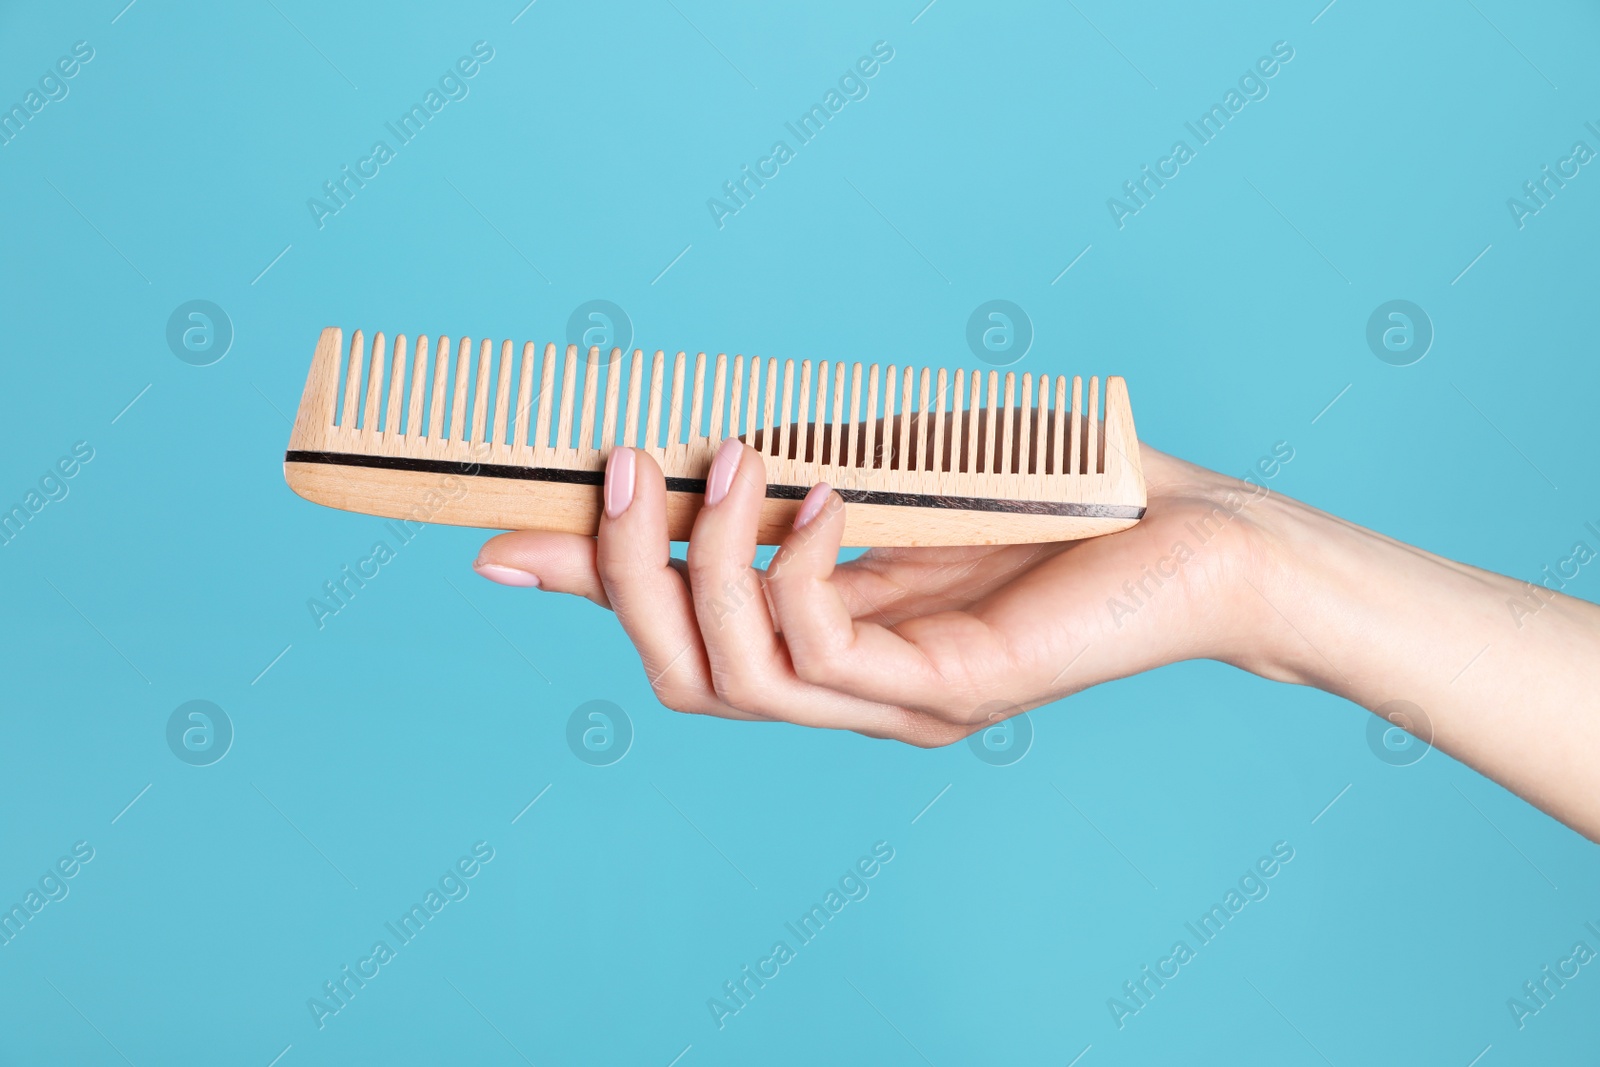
(737, 688)
(814, 663)
(921, 730)
(676, 693)
(703, 569)
(782, 564)
(717, 604)
(820, 651)
(957, 708)
(932, 733)
(670, 695)
(689, 700)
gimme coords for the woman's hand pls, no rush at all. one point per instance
(929, 645)
(924, 645)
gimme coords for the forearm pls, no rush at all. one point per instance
(1507, 675)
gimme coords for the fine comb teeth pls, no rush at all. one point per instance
(920, 456)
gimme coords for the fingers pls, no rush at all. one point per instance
(704, 628)
(729, 598)
(828, 645)
(750, 665)
(557, 562)
(799, 578)
(633, 558)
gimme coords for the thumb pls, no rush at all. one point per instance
(557, 562)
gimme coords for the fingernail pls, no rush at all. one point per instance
(619, 481)
(507, 575)
(723, 468)
(813, 504)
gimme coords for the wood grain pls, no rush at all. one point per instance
(1007, 446)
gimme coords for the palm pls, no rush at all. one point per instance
(1028, 611)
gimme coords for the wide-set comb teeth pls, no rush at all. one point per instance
(1061, 443)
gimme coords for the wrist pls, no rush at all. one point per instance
(1304, 581)
(1352, 612)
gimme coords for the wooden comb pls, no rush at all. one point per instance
(948, 460)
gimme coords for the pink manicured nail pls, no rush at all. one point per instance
(507, 575)
(619, 481)
(813, 504)
(723, 468)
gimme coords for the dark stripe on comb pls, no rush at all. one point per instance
(698, 485)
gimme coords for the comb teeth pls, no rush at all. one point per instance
(434, 430)
(835, 422)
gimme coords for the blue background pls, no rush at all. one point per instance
(370, 754)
